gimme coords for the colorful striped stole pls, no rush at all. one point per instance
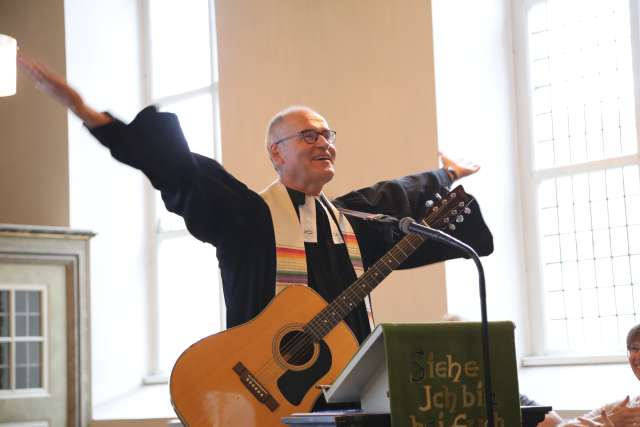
(291, 233)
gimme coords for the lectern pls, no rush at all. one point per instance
(431, 374)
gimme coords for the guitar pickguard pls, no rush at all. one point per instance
(294, 385)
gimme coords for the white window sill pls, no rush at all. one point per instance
(23, 394)
(148, 405)
(573, 360)
(577, 388)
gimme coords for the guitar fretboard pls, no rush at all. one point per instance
(333, 313)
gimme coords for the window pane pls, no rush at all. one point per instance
(4, 366)
(35, 378)
(34, 325)
(547, 194)
(581, 81)
(196, 120)
(35, 352)
(591, 276)
(631, 180)
(33, 298)
(28, 365)
(21, 301)
(557, 334)
(21, 377)
(21, 325)
(179, 33)
(187, 267)
(4, 313)
(22, 357)
(4, 302)
(553, 276)
(4, 378)
(624, 300)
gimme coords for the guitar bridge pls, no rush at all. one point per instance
(254, 386)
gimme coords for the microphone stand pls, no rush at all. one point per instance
(408, 225)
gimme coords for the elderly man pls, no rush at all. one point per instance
(288, 234)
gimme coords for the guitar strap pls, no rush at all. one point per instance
(291, 233)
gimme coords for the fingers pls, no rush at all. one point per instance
(590, 423)
(462, 167)
(39, 72)
(50, 82)
(606, 419)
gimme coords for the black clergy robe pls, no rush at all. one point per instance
(221, 210)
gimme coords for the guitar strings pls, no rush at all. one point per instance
(298, 345)
(314, 330)
(354, 290)
(311, 333)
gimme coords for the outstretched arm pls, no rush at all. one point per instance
(55, 86)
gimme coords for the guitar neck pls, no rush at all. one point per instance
(331, 315)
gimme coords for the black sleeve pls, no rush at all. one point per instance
(526, 401)
(211, 201)
(404, 197)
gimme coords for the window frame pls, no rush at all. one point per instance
(12, 392)
(530, 179)
(157, 235)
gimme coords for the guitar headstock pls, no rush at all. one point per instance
(445, 212)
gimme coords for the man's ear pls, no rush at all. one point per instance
(276, 156)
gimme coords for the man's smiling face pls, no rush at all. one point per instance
(301, 165)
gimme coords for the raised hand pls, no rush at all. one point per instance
(622, 415)
(459, 167)
(55, 86)
(606, 421)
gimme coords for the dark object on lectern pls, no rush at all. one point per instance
(532, 415)
(336, 419)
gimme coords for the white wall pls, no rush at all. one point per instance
(368, 67)
(34, 178)
(104, 63)
(476, 119)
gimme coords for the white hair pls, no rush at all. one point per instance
(273, 127)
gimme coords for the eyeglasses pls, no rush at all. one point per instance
(310, 136)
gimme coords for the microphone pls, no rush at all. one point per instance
(369, 217)
(408, 225)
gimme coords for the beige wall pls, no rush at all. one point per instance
(34, 176)
(367, 65)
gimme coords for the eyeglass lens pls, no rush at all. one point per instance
(310, 136)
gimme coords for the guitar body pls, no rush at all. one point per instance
(263, 370)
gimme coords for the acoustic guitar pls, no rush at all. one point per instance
(256, 373)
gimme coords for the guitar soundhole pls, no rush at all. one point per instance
(296, 348)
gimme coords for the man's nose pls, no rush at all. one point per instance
(322, 141)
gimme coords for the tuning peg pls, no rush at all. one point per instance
(445, 220)
(453, 195)
(459, 219)
(452, 227)
(461, 204)
(438, 196)
(467, 210)
(454, 212)
(429, 203)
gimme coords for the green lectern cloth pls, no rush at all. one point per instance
(436, 374)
